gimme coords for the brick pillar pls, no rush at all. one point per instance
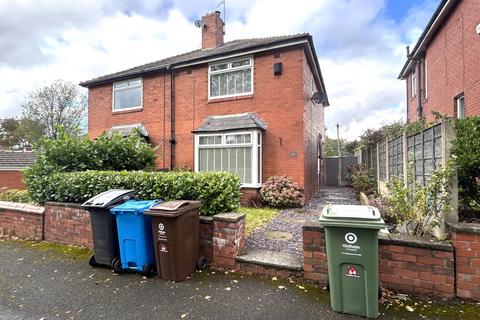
(228, 238)
(206, 238)
(465, 238)
(314, 252)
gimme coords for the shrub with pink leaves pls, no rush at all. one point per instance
(282, 192)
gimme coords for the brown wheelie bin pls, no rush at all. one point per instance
(176, 230)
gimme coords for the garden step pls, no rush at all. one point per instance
(275, 259)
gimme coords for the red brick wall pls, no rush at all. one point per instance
(206, 238)
(12, 179)
(68, 223)
(21, 220)
(424, 271)
(452, 65)
(313, 120)
(280, 101)
(467, 261)
(315, 265)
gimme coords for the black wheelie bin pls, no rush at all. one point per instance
(104, 226)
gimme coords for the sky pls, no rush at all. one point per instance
(360, 45)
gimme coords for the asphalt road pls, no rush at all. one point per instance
(46, 284)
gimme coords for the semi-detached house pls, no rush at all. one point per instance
(442, 71)
(253, 107)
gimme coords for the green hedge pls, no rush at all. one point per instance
(218, 191)
(14, 195)
(466, 148)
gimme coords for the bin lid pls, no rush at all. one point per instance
(133, 207)
(352, 216)
(172, 208)
(107, 198)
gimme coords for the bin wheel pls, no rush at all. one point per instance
(92, 262)
(202, 263)
(148, 270)
(116, 265)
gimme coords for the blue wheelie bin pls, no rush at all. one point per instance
(135, 237)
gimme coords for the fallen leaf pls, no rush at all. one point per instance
(281, 287)
(409, 308)
(228, 288)
(301, 287)
(207, 297)
(183, 315)
(274, 279)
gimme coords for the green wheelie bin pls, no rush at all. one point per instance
(351, 234)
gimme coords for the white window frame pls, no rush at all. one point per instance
(230, 69)
(127, 87)
(256, 153)
(457, 106)
(414, 83)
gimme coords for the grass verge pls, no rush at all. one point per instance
(256, 217)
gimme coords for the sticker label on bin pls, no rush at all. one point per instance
(350, 248)
(162, 233)
(163, 247)
(352, 272)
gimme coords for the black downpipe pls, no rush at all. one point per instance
(172, 117)
(419, 88)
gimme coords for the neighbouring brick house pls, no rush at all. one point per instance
(442, 72)
(243, 106)
(11, 164)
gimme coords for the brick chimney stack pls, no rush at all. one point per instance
(212, 30)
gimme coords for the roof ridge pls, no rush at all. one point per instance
(178, 57)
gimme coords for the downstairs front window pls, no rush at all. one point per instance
(237, 152)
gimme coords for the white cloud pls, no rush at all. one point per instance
(360, 51)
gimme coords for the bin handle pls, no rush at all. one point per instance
(157, 201)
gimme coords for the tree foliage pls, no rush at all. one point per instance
(9, 137)
(346, 147)
(58, 104)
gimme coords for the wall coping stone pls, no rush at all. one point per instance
(21, 207)
(64, 204)
(395, 239)
(416, 242)
(312, 225)
(206, 220)
(473, 228)
(229, 217)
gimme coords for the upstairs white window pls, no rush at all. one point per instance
(460, 105)
(127, 95)
(230, 78)
(235, 152)
(414, 83)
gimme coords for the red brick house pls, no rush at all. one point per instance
(442, 72)
(243, 106)
(12, 162)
